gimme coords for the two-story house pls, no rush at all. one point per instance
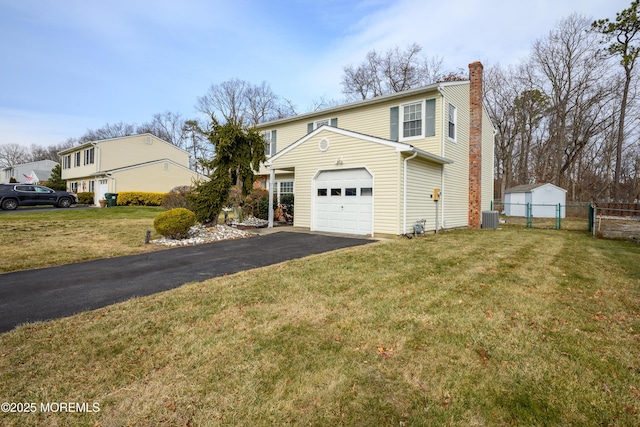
(379, 165)
(132, 163)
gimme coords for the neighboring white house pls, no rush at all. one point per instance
(132, 163)
(544, 200)
(28, 173)
(379, 165)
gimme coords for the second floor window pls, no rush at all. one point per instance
(452, 122)
(76, 159)
(66, 161)
(88, 156)
(269, 142)
(412, 120)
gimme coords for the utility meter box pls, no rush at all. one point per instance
(436, 194)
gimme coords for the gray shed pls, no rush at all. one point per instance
(543, 198)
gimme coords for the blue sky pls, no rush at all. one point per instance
(71, 65)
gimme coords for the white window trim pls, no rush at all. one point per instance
(455, 123)
(401, 136)
(264, 135)
(277, 193)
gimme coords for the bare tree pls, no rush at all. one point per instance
(567, 70)
(241, 102)
(167, 126)
(12, 154)
(196, 144)
(623, 38)
(228, 98)
(38, 152)
(500, 88)
(116, 130)
(394, 71)
(261, 103)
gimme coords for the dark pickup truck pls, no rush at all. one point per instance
(14, 195)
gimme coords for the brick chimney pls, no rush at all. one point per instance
(475, 144)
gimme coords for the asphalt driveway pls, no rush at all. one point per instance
(49, 293)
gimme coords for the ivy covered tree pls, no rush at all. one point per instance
(239, 152)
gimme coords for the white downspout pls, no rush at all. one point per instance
(442, 149)
(272, 184)
(404, 209)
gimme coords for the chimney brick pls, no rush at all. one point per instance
(475, 144)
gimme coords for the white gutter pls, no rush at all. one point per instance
(442, 152)
(404, 209)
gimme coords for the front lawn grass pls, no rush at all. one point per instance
(33, 239)
(466, 328)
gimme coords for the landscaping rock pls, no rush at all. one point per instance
(199, 234)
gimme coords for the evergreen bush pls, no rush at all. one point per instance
(175, 223)
(140, 198)
(85, 198)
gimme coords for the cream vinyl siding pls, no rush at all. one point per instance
(370, 120)
(123, 152)
(152, 178)
(455, 194)
(380, 160)
(422, 178)
(78, 172)
(487, 161)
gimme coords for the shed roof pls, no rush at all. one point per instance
(527, 188)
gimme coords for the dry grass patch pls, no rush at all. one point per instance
(513, 327)
(41, 239)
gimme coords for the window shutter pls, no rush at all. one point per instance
(394, 129)
(273, 142)
(430, 118)
(309, 127)
(334, 122)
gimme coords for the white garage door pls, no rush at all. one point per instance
(344, 201)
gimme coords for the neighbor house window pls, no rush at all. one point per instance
(452, 122)
(66, 161)
(88, 156)
(412, 120)
(76, 159)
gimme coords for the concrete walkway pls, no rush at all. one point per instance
(49, 293)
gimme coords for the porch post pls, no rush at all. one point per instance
(272, 185)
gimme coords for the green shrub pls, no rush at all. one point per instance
(85, 198)
(253, 203)
(177, 198)
(140, 198)
(174, 223)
